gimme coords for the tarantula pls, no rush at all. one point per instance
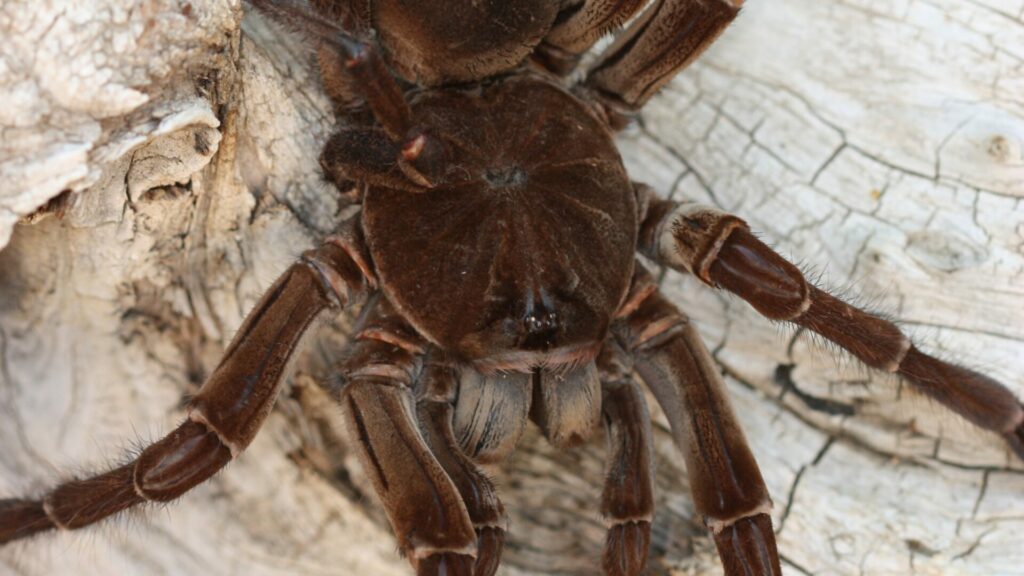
(494, 263)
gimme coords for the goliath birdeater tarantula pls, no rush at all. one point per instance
(494, 261)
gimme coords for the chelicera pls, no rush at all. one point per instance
(494, 264)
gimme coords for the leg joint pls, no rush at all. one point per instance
(716, 525)
(648, 320)
(51, 516)
(343, 266)
(181, 460)
(691, 237)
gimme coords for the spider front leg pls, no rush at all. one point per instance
(627, 501)
(424, 507)
(719, 249)
(437, 390)
(225, 414)
(728, 490)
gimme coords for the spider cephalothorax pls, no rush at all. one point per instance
(526, 170)
(493, 257)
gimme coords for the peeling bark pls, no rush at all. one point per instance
(880, 142)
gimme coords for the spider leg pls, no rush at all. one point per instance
(424, 506)
(719, 249)
(339, 84)
(659, 43)
(223, 417)
(365, 154)
(578, 27)
(354, 66)
(728, 490)
(437, 389)
(627, 501)
(354, 15)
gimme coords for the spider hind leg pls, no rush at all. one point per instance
(578, 28)
(664, 39)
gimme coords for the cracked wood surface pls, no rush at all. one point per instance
(877, 141)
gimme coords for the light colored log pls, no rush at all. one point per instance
(878, 141)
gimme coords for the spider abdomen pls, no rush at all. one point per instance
(460, 40)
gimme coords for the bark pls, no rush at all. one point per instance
(160, 157)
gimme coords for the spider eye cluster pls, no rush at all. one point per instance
(540, 329)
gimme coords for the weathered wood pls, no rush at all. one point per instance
(878, 141)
